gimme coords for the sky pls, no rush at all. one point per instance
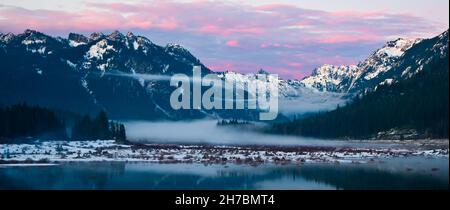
(285, 37)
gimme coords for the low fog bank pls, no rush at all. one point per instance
(309, 101)
(207, 132)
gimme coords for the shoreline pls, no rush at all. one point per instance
(54, 152)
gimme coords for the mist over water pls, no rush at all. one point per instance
(207, 132)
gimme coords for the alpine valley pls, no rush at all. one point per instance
(127, 75)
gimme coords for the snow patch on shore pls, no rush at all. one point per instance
(50, 152)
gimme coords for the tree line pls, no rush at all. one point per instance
(420, 103)
(98, 128)
(23, 121)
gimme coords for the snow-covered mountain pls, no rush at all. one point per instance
(372, 71)
(287, 88)
(354, 78)
(81, 73)
(331, 78)
(124, 74)
(408, 100)
(396, 61)
(294, 99)
(89, 73)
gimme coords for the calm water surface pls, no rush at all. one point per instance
(398, 173)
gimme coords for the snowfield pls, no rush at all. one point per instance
(50, 152)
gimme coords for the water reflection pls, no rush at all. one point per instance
(394, 174)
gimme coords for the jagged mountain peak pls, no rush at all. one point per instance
(29, 34)
(96, 36)
(130, 34)
(31, 31)
(74, 36)
(7, 37)
(77, 39)
(380, 62)
(444, 34)
(262, 71)
(395, 48)
(330, 78)
(366, 75)
(442, 43)
(174, 46)
(116, 36)
(128, 40)
(88, 72)
(332, 69)
(128, 53)
(180, 53)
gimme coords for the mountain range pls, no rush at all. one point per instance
(407, 99)
(74, 74)
(80, 73)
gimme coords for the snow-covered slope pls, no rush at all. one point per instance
(294, 99)
(331, 78)
(383, 59)
(81, 73)
(330, 86)
(36, 64)
(354, 78)
(380, 62)
(286, 88)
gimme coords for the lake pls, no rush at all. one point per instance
(393, 173)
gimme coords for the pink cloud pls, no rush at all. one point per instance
(274, 6)
(288, 73)
(225, 32)
(279, 37)
(346, 38)
(233, 43)
(370, 14)
(168, 25)
(295, 64)
(276, 45)
(204, 17)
